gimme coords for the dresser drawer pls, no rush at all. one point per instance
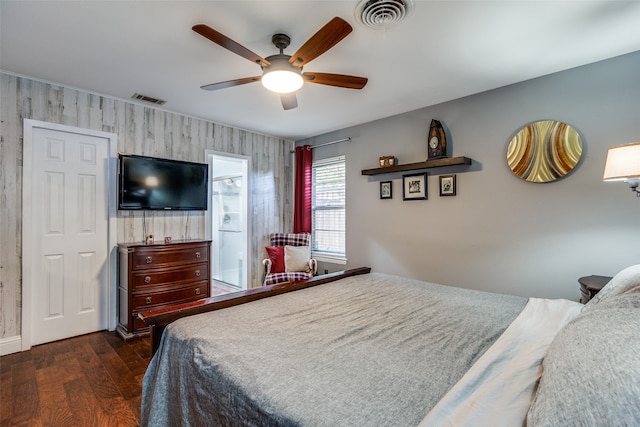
(154, 278)
(176, 295)
(150, 257)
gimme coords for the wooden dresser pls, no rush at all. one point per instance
(157, 276)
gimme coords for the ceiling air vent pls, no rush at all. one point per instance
(146, 98)
(382, 13)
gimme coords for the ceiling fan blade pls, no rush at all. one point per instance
(289, 100)
(227, 43)
(327, 37)
(231, 83)
(339, 80)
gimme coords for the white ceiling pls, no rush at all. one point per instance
(444, 50)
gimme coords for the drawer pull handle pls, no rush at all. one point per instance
(147, 300)
(197, 291)
(149, 260)
(197, 273)
(198, 254)
(147, 279)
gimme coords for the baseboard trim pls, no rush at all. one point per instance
(10, 345)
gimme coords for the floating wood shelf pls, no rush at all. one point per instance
(428, 164)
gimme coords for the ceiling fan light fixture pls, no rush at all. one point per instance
(282, 81)
(281, 76)
(282, 73)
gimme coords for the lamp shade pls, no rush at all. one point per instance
(623, 163)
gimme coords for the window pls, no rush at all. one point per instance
(328, 210)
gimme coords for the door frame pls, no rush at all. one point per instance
(27, 220)
(249, 209)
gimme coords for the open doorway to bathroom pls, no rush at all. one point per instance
(228, 221)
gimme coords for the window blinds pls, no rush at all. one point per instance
(328, 206)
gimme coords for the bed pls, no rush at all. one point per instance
(380, 350)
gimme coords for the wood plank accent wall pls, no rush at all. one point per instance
(141, 130)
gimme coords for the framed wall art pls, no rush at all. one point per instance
(544, 151)
(414, 187)
(448, 185)
(386, 190)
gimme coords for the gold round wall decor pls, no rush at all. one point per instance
(544, 151)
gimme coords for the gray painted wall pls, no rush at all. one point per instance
(500, 233)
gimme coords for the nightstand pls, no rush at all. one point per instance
(590, 286)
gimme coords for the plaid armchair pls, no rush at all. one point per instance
(288, 258)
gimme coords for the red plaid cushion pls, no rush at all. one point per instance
(291, 239)
(276, 278)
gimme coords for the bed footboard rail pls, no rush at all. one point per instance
(159, 319)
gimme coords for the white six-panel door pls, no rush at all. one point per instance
(69, 262)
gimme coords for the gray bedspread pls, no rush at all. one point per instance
(370, 350)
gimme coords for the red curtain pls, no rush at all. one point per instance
(302, 197)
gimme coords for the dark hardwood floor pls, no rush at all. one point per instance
(91, 380)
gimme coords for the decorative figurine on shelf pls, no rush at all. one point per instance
(388, 161)
(437, 141)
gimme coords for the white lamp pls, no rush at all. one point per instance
(623, 164)
(281, 76)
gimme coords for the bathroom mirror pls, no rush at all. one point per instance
(544, 151)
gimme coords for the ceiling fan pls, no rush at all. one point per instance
(282, 73)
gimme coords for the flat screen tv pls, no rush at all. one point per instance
(151, 183)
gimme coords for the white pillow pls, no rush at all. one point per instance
(296, 258)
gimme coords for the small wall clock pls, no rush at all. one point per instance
(436, 141)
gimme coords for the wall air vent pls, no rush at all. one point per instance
(382, 13)
(146, 98)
